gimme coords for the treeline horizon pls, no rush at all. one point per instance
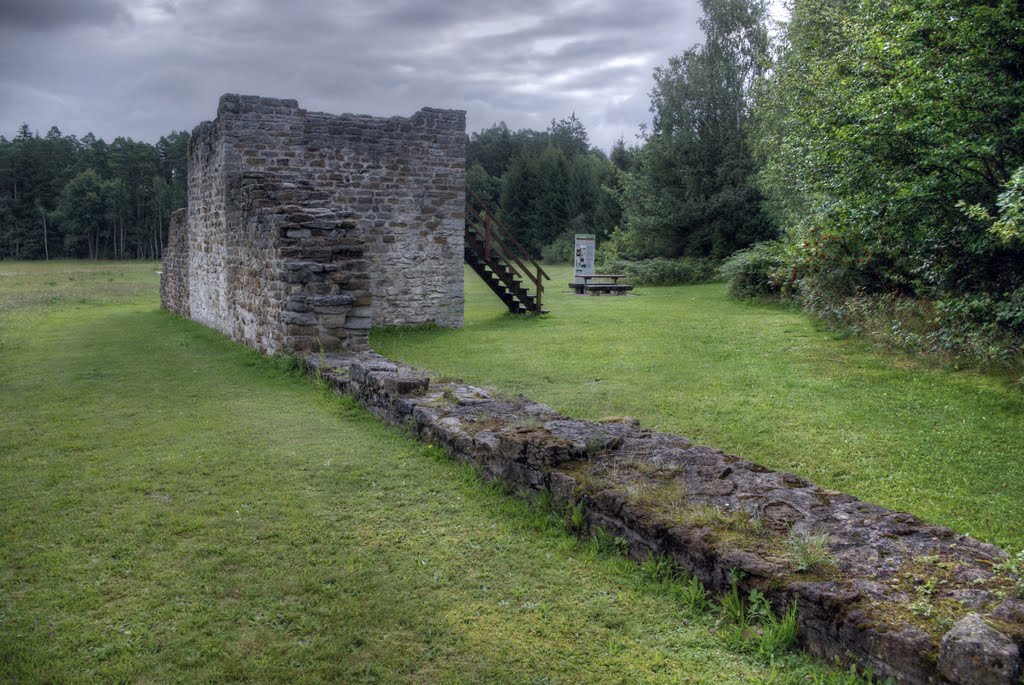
(65, 197)
(865, 162)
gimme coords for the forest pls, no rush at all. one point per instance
(65, 197)
(864, 160)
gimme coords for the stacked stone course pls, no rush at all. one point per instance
(910, 600)
(305, 228)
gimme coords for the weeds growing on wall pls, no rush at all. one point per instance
(748, 622)
(850, 677)
(1013, 568)
(808, 552)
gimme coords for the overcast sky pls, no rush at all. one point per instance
(142, 68)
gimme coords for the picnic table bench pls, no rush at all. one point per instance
(601, 284)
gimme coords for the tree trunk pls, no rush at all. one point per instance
(46, 247)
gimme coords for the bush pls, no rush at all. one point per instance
(981, 328)
(622, 245)
(764, 270)
(977, 330)
(838, 282)
(560, 250)
(660, 271)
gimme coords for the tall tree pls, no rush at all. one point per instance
(569, 135)
(880, 122)
(86, 209)
(691, 189)
(537, 198)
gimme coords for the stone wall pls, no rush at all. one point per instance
(910, 600)
(305, 228)
(174, 277)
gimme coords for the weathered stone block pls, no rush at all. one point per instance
(332, 321)
(299, 318)
(334, 301)
(975, 653)
(359, 322)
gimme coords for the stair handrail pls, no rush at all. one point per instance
(505, 233)
(494, 238)
(507, 243)
(509, 257)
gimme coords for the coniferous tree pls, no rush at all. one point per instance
(691, 189)
(545, 185)
(42, 185)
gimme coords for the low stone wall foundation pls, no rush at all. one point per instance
(910, 600)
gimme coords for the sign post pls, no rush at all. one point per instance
(583, 256)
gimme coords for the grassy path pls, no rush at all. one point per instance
(758, 380)
(174, 508)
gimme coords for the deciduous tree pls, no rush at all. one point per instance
(691, 189)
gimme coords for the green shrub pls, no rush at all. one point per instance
(622, 245)
(1008, 226)
(977, 330)
(966, 322)
(560, 250)
(661, 271)
(764, 270)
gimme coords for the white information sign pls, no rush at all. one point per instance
(583, 257)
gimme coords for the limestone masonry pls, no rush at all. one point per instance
(910, 600)
(303, 228)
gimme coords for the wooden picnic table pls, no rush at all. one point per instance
(601, 284)
(614, 278)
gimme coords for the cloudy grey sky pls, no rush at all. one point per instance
(142, 68)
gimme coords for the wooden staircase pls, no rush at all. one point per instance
(501, 261)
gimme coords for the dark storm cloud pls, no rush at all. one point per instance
(421, 16)
(51, 14)
(145, 67)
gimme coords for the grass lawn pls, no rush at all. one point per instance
(758, 380)
(175, 508)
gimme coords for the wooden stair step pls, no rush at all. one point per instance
(491, 263)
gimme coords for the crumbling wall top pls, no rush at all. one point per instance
(372, 209)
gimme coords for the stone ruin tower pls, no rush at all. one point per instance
(304, 228)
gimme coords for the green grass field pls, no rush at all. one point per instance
(758, 380)
(175, 508)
